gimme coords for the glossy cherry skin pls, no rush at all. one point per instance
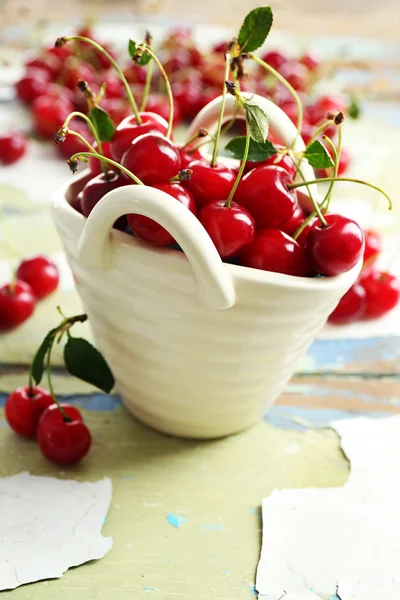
(382, 292)
(24, 407)
(264, 192)
(188, 95)
(12, 147)
(302, 238)
(152, 158)
(152, 232)
(291, 225)
(319, 110)
(230, 228)
(336, 248)
(98, 187)
(49, 115)
(273, 250)
(373, 246)
(17, 303)
(95, 163)
(75, 70)
(208, 184)
(129, 129)
(60, 441)
(41, 274)
(187, 156)
(351, 307)
(32, 85)
(48, 62)
(283, 160)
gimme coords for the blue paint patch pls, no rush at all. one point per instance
(176, 568)
(252, 589)
(150, 589)
(335, 597)
(127, 477)
(282, 416)
(176, 520)
(337, 354)
(98, 402)
(211, 527)
(169, 560)
(105, 519)
(225, 572)
(256, 512)
(327, 391)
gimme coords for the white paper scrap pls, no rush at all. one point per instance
(339, 542)
(49, 525)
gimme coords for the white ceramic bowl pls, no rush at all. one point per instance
(199, 348)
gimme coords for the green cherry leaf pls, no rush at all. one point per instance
(257, 122)
(255, 29)
(102, 122)
(133, 48)
(257, 151)
(37, 368)
(318, 156)
(82, 360)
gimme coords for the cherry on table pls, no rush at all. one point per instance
(152, 158)
(382, 292)
(264, 192)
(17, 303)
(32, 85)
(41, 274)
(12, 147)
(64, 442)
(150, 231)
(273, 250)
(351, 307)
(373, 246)
(129, 129)
(337, 247)
(24, 407)
(207, 183)
(49, 115)
(231, 228)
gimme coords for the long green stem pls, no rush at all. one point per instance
(80, 137)
(241, 169)
(287, 85)
(338, 151)
(221, 113)
(50, 383)
(293, 186)
(132, 101)
(168, 89)
(321, 130)
(92, 128)
(108, 161)
(300, 172)
(147, 86)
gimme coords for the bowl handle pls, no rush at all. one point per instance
(215, 284)
(281, 128)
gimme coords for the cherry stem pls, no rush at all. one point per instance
(81, 38)
(300, 172)
(293, 186)
(320, 130)
(241, 168)
(90, 125)
(200, 134)
(336, 159)
(287, 85)
(221, 113)
(168, 89)
(50, 383)
(147, 86)
(80, 137)
(108, 161)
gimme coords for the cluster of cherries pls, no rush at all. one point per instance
(36, 278)
(375, 293)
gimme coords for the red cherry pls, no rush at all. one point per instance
(336, 248)
(74, 70)
(114, 86)
(196, 57)
(150, 231)
(32, 85)
(128, 130)
(264, 192)
(207, 96)
(213, 73)
(158, 104)
(135, 74)
(188, 95)
(373, 246)
(98, 187)
(273, 250)
(322, 106)
(17, 303)
(296, 74)
(76, 202)
(382, 291)
(49, 115)
(275, 59)
(291, 225)
(291, 110)
(94, 163)
(24, 407)
(12, 147)
(231, 228)
(209, 183)
(177, 60)
(310, 61)
(351, 307)
(283, 160)
(152, 158)
(344, 161)
(47, 62)
(221, 47)
(72, 144)
(63, 442)
(41, 274)
(62, 53)
(187, 156)
(302, 238)
(307, 132)
(58, 92)
(117, 108)
(103, 60)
